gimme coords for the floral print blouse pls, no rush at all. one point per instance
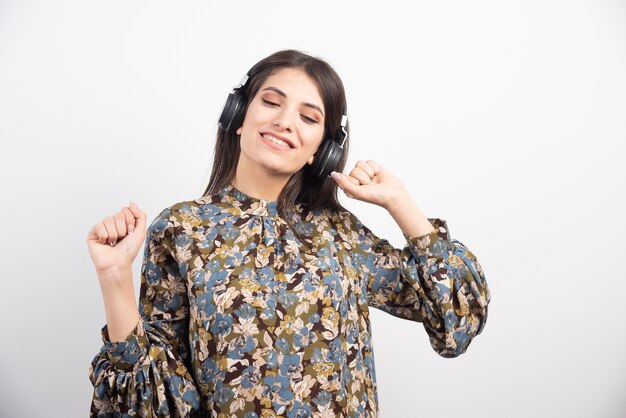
(239, 319)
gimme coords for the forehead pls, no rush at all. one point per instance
(296, 84)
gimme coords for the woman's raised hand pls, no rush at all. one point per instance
(115, 241)
(370, 182)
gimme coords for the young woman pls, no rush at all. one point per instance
(254, 297)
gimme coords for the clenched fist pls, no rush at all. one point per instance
(115, 241)
(372, 183)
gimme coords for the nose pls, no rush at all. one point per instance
(283, 120)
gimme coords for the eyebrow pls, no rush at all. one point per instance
(282, 93)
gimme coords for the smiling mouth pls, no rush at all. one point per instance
(279, 142)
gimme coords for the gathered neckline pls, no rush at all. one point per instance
(249, 204)
(241, 196)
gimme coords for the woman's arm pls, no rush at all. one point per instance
(434, 279)
(145, 371)
(408, 216)
(120, 304)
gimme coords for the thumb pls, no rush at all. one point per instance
(348, 184)
(140, 217)
(132, 242)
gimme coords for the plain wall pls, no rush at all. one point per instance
(506, 118)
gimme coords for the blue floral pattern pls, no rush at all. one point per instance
(239, 319)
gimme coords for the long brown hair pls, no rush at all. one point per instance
(303, 187)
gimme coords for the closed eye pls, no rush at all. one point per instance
(309, 120)
(267, 102)
(305, 118)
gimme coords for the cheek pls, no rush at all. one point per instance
(313, 138)
(253, 115)
(247, 138)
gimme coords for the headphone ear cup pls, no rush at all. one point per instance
(232, 114)
(327, 158)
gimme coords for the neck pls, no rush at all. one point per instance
(256, 182)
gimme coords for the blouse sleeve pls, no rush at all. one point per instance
(434, 279)
(147, 373)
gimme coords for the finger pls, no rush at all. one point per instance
(96, 233)
(365, 166)
(361, 175)
(351, 180)
(375, 166)
(348, 184)
(102, 232)
(130, 219)
(109, 224)
(120, 224)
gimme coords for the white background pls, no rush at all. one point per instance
(506, 118)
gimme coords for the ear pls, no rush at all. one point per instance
(239, 130)
(310, 160)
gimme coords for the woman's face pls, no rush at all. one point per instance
(287, 108)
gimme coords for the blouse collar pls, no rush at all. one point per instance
(248, 204)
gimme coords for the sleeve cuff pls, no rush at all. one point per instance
(124, 354)
(433, 243)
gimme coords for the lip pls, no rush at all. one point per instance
(274, 134)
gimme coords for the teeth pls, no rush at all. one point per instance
(276, 140)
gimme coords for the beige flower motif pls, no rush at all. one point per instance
(189, 220)
(324, 369)
(455, 260)
(183, 253)
(355, 387)
(263, 254)
(423, 242)
(237, 404)
(249, 285)
(371, 396)
(252, 393)
(302, 387)
(291, 324)
(221, 252)
(246, 327)
(330, 314)
(350, 273)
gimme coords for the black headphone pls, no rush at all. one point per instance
(327, 156)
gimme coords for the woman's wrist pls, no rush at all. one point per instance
(115, 274)
(408, 216)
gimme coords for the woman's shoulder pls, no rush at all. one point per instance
(202, 203)
(344, 216)
(186, 210)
